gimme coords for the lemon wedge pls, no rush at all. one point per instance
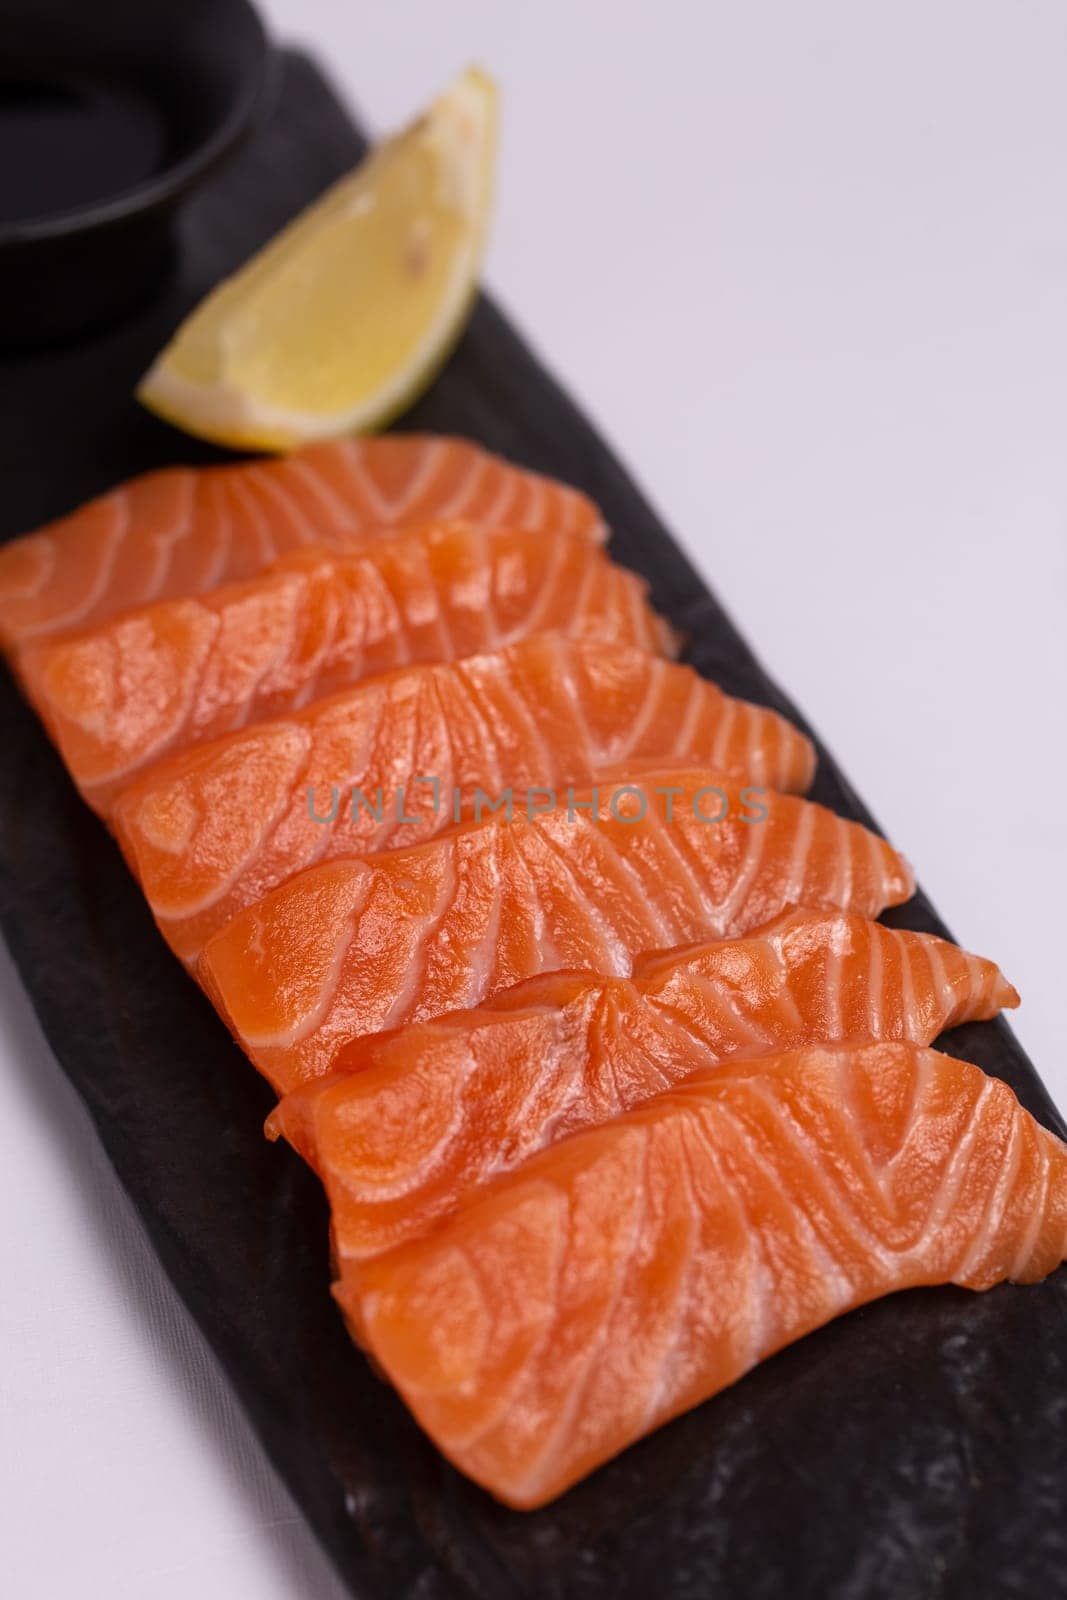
(344, 318)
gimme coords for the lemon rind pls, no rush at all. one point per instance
(230, 415)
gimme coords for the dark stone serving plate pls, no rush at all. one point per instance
(915, 1448)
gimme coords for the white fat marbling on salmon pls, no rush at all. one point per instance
(568, 1051)
(313, 624)
(123, 549)
(535, 714)
(633, 1270)
(605, 889)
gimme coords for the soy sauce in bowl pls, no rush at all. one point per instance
(74, 142)
(110, 113)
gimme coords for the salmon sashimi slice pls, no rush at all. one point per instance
(404, 756)
(181, 531)
(117, 697)
(359, 946)
(633, 1270)
(411, 1123)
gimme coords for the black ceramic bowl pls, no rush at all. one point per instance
(110, 112)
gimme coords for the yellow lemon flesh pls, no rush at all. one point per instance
(343, 319)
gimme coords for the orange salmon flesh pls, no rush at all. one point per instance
(635, 1269)
(411, 1124)
(406, 755)
(574, 1004)
(356, 946)
(185, 530)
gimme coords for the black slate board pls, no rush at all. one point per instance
(915, 1448)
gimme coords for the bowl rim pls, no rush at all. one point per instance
(176, 179)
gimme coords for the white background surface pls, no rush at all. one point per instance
(806, 265)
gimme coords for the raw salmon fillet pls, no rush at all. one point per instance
(184, 530)
(212, 831)
(633, 1270)
(160, 679)
(412, 1123)
(356, 946)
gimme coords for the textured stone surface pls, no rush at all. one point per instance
(915, 1448)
